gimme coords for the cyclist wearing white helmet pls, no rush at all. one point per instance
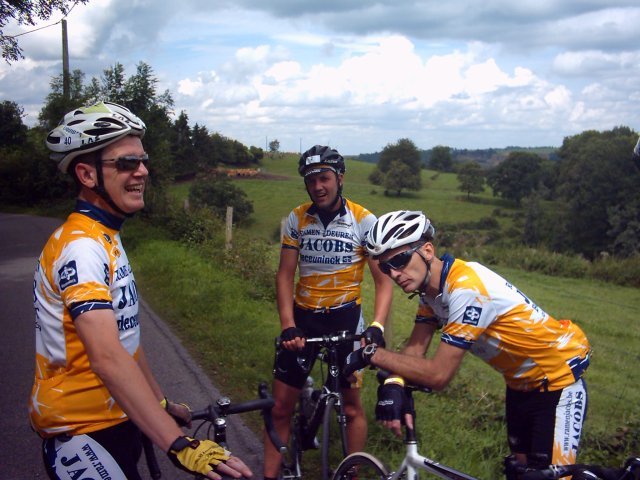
(323, 238)
(541, 359)
(94, 394)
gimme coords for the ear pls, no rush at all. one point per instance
(86, 174)
(429, 251)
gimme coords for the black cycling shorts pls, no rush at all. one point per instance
(292, 368)
(547, 423)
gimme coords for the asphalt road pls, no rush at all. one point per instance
(21, 240)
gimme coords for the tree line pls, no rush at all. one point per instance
(582, 198)
(177, 150)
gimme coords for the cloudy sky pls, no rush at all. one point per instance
(360, 74)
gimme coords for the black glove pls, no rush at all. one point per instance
(391, 402)
(291, 333)
(375, 335)
(358, 359)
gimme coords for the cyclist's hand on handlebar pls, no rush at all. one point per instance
(374, 334)
(357, 360)
(181, 412)
(206, 458)
(390, 407)
(292, 338)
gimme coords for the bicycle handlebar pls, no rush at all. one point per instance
(337, 338)
(224, 407)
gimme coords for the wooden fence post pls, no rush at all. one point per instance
(228, 229)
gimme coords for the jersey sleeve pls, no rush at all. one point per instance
(425, 314)
(470, 313)
(82, 275)
(291, 234)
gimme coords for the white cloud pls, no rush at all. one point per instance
(362, 74)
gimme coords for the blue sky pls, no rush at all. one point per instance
(360, 74)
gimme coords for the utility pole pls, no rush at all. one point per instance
(65, 62)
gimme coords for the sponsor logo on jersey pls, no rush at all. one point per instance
(68, 275)
(471, 315)
(107, 238)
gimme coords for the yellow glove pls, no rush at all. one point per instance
(197, 456)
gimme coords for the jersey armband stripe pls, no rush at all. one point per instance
(78, 309)
(291, 247)
(456, 341)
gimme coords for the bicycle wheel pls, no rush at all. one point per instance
(361, 466)
(331, 457)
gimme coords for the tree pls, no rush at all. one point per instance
(471, 178)
(516, 177)
(274, 147)
(218, 194)
(441, 159)
(56, 105)
(598, 183)
(12, 131)
(405, 152)
(27, 12)
(398, 177)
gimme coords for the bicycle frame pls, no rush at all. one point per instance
(304, 430)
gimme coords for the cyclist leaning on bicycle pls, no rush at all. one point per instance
(94, 394)
(325, 239)
(542, 359)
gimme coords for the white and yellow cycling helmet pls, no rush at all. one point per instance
(91, 128)
(395, 229)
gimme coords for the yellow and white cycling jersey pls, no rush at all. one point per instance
(82, 267)
(332, 258)
(479, 310)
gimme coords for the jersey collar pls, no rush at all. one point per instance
(447, 261)
(313, 209)
(109, 220)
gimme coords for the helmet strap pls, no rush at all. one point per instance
(422, 290)
(102, 192)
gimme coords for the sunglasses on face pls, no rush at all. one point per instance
(397, 262)
(128, 163)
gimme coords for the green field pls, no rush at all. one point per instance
(462, 426)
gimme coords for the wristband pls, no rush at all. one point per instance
(377, 325)
(395, 380)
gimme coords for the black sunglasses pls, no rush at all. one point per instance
(128, 163)
(397, 262)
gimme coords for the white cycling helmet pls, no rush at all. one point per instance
(91, 128)
(395, 229)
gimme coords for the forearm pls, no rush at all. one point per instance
(128, 385)
(413, 369)
(148, 375)
(284, 298)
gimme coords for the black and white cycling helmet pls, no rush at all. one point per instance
(91, 128)
(320, 158)
(395, 229)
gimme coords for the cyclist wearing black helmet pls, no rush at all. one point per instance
(94, 392)
(324, 239)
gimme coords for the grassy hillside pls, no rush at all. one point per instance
(463, 426)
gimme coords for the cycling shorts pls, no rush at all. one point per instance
(546, 422)
(292, 368)
(110, 453)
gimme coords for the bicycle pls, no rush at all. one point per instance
(214, 420)
(364, 466)
(314, 410)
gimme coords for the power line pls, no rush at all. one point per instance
(46, 26)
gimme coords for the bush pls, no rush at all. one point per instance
(218, 194)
